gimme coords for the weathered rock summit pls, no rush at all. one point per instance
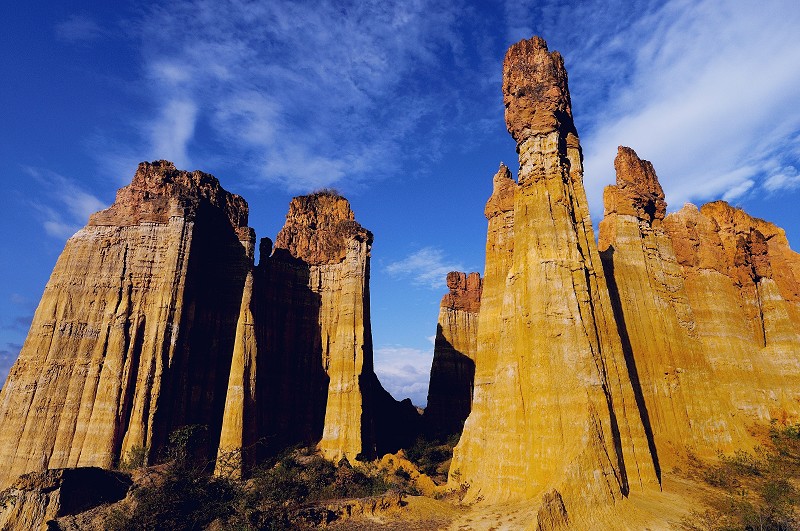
(133, 335)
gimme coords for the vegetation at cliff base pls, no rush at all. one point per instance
(755, 491)
(291, 491)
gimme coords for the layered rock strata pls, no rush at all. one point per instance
(302, 364)
(499, 213)
(133, 335)
(568, 419)
(680, 396)
(35, 500)
(742, 282)
(454, 351)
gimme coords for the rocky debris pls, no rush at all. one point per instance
(577, 429)
(322, 515)
(134, 332)
(36, 499)
(455, 347)
(398, 464)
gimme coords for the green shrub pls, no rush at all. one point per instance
(758, 490)
(135, 458)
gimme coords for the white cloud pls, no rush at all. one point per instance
(78, 28)
(69, 205)
(786, 178)
(427, 267)
(709, 97)
(172, 132)
(8, 355)
(305, 94)
(738, 190)
(404, 372)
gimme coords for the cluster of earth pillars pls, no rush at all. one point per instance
(583, 375)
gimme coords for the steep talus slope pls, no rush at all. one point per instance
(128, 340)
(569, 418)
(455, 347)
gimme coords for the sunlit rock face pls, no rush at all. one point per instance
(554, 407)
(133, 335)
(681, 396)
(455, 348)
(743, 285)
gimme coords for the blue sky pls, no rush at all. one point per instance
(396, 104)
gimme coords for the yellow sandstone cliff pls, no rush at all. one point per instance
(302, 364)
(128, 341)
(742, 284)
(680, 396)
(559, 411)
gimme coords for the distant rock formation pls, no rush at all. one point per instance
(743, 285)
(455, 347)
(134, 333)
(568, 418)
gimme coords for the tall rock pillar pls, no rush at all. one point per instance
(321, 231)
(679, 397)
(134, 332)
(454, 351)
(561, 409)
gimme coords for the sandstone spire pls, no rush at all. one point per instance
(128, 342)
(455, 348)
(678, 392)
(321, 231)
(563, 410)
(302, 363)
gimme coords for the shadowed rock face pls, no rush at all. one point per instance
(302, 367)
(40, 497)
(155, 317)
(568, 418)
(132, 337)
(455, 348)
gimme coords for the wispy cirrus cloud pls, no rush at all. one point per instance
(404, 372)
(703, 89)
(304, 93)
(78, 28)
(69, 205)
(426, 267)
